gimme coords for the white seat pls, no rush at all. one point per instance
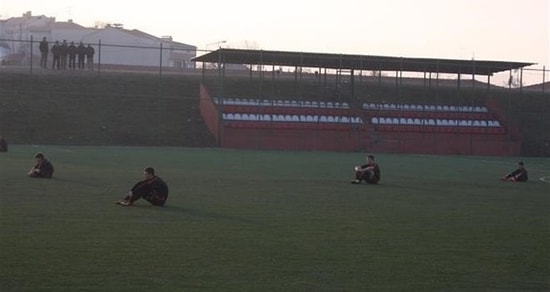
(345, 119)
(295, 118)
(310, 119)
(431, 122)
(323, 119)
(374, 120)
(476, 123)
(288, 118)
(410, 121)
(330, 104)
(266, 117)
(395, 121)
(402, 121)
(417, 121)
(483, 123)
(330, 119)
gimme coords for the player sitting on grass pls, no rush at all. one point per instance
(42, 168)
(369, 172)
(152, 188)
(518, 175)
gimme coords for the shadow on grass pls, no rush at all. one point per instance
(195, 213)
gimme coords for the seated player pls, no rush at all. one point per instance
(43, 167)
(369, 172)
(518, 175)
(152, 188)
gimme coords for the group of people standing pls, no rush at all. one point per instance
(63, 52)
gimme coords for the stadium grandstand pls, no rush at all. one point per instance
(325, 102)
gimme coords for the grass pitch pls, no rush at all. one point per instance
(271, 221)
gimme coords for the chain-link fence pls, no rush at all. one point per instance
(95, 55)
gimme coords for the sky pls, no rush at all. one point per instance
(465, 29)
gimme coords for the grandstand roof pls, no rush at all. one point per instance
(358, 62)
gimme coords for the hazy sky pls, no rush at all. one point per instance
(480, 29)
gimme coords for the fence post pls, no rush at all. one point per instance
(99, 57)
(32, 45)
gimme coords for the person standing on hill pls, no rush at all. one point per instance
(44, 50)
(518, 175)
(81, 52)
(72, 56)
(43, 167)
(369, 172)
(90, 57)
(56, 52)
(63, 52)
(152, 189)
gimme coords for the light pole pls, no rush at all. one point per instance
(214, 43)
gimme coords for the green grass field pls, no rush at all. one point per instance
(271, 221)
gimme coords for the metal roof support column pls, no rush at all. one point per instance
(474, 75)
(458, 79)
(220, 81)
(325, 82)
(99, 57)
(273, 79)
(261, 74)
(437, 76)
(489, 80)
(379, 75)
(301, 70)
(400, 72)
(352, 83)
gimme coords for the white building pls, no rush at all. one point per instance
(114, 45)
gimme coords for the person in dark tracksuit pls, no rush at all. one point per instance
(43, 167)
(71, 50)
(369, 172)
(152, 189)
(44, 50)
(81, 52)
(518, 175)
(56, 52)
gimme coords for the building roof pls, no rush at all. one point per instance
(358, 62)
